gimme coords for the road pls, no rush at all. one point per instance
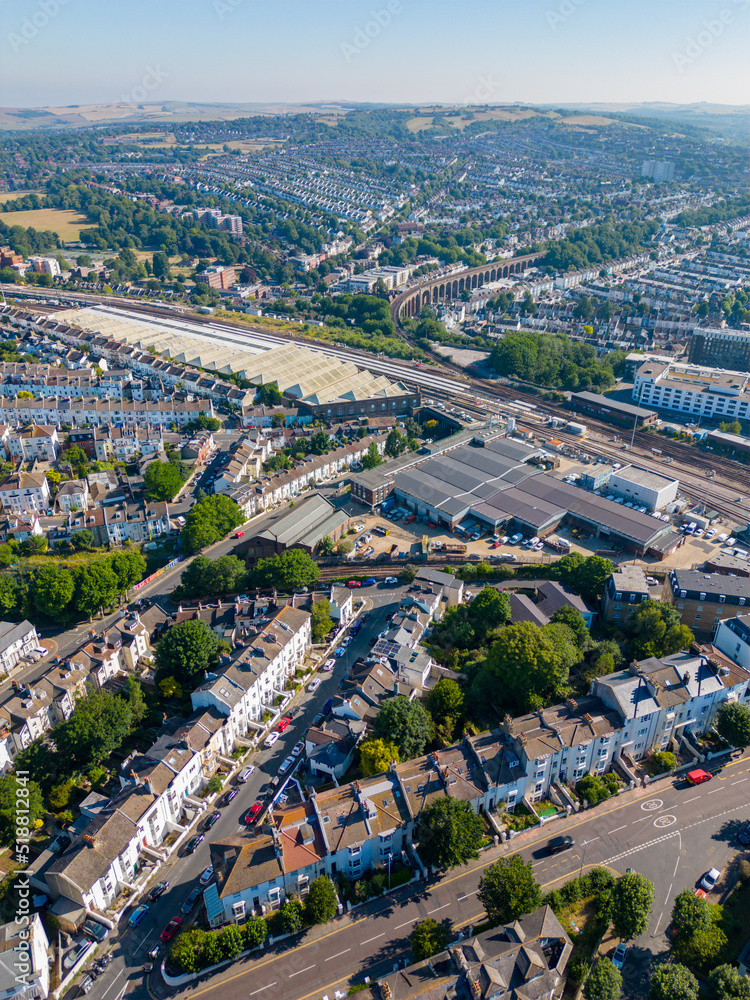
(671, 833)
(131, 947)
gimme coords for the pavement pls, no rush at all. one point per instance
(669, 831)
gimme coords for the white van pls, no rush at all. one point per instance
(245, 774)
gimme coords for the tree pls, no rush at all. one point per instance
(160, 265)
(228, 575)
(405, 723)
(429, 938)
(83, 539)
(508, 889)
(255, 930)
(727, 983)
(604, 983)
(289, 571)
(9, 595)
(596, 788)
(573, 619)
(51, 591)
(375, 756)
(129, 568)
(522, 670)
(17, 795)
(186, 652)
(326, 546)
(344, 547)
(673, 982)
(270, 395)
(170, 688)
(322, 902)
(704, 950)
(321, 623)
(445, 703)
(663, 761)
(136, 701)
(162, 481)
(209, 520)
(733, 724)
(587, 576)
(632, 897)
(372, 459)
(96, 587)
(449, 833)
(690, 913)
(395, 443)
(99, 724)
(185, 951)
(231, 940)
(654, 629)
(290, 916)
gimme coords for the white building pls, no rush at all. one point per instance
(25, 493)
(692, 391)
(46, 265)
(24, 966)
(732, 638)
(17, 639)
(33, 442)
(644, 488)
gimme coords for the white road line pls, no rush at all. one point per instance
(666, 898)
(373, 939)
(466, 895)
(261, 989)
(694, 797)
(591, 841)
(112, 984)
(617, 829)
(436, 908)
(143, 941)
(715, 790)
(293, 974)
(399, 926)
(331, 957)
(738, 781)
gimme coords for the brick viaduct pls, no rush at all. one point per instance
(412, 301)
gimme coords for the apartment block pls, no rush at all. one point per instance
(703, 600)
(625, 589)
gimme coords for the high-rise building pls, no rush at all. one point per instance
(720, 349)
(658, 170)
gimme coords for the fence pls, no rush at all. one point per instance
(158, 573)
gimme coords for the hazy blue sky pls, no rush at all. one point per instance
(59, 52)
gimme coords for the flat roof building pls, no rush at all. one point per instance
(646, 488)
(613, 410)
(303, 527)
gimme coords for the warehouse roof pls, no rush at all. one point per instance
(306, 524)
(594, 399)
(644, 477)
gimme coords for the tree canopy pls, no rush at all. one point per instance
(508, 889)
(654, 629)
(449, 833)
(186, 651)
(375, 756)
(291, 570)
(733, 724)
(604, 982)
(17, 794)
(673, 982)
(322, 902)
(405, 723)
(208, 521)
(99, 724)
(429, 938)
(632, 897)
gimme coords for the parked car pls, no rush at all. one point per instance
(271, 739)
(744, 835)
(329, 664)
(252, 815)
(353, 583)
(339, 652)
(286, 765)
(207, 876)
(239, 534)
(369, 582)
(391, 581)
(138, 915)
(558, 844)
(86, 983)
(283, 724)
(298, 748)
(212, 819)
(245, 774)
(618, 959)
(95, 930)
(159, 889)
(710, 879)
(231, 794)
(313, 685)
(171, 929)
(192, 899)
(194, 843)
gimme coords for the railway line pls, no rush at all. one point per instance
(446, 380)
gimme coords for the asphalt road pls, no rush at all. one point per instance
(182, 871)
(671, 833)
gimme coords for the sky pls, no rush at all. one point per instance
(62, 52)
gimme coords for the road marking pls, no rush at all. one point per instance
(373, 938)
(685, 802)
(112, 984)
(617, 829)
(436, 908)
(143, 941)
(398, 926)
(290, 976)
(714, 790)
(261, 989)
(666, 898)
(739, 781)
(331, 957)
(466, 895)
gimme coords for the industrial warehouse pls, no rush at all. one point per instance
(492, 481)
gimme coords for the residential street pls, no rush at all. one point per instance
(671, 833)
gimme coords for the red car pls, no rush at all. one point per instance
(239, 534)
(354, 583)
(171, 929)
(252, 815)
(283, 723)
